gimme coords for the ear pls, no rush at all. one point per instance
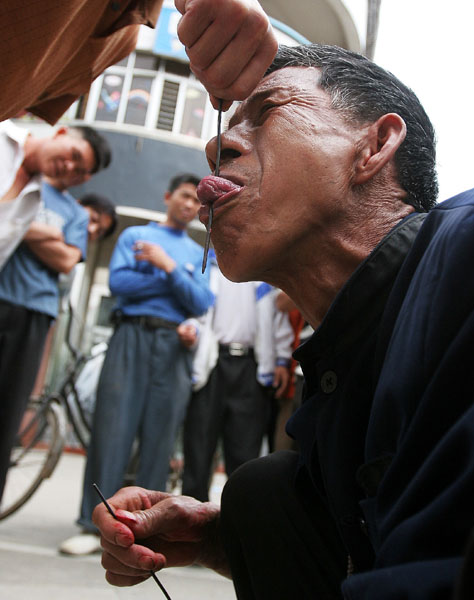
(382, 140)
(167, 197)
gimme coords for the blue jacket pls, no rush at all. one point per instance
(142, 289)
(25, 280)
(387, 426)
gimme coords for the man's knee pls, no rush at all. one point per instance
(259, 480)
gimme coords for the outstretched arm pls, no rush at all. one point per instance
(156, 530)
(230, 45)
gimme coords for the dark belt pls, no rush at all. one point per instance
(147, 322)
(235, 349)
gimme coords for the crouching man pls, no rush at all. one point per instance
(328, 191)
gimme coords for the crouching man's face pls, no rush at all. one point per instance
(292, 156)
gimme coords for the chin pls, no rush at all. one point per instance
(237, 266)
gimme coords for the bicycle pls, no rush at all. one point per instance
(43, 432)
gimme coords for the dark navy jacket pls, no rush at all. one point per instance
(387, 426)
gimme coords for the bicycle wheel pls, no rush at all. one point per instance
(80, 420)
(79, 393)
(35, 454)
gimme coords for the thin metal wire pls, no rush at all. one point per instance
(218, 157)
(109, 508)
(216, 173)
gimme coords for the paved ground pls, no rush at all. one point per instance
(32, 569)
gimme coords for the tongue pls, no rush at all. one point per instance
(211, 188)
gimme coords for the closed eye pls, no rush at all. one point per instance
(265, 108)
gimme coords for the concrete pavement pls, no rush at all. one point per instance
(32, 569)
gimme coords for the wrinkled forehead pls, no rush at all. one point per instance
(286, 83)
(293, 77)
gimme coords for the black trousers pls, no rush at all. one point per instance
(22, 337)
(464, 589)
(231, 406)
(280, 539)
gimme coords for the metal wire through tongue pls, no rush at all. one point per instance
(216, 173)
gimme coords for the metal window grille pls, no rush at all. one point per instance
(167, 111)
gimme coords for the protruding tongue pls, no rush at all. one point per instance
(211, 188)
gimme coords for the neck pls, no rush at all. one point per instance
(314, 277)
(31, 151)
(173, 224)
(53, 183)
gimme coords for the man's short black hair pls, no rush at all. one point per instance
(182, 178)
(362, 91)
(100, 146)
(102, 205)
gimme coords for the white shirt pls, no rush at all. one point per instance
(254, 321)
(16, 214)
(235, 313)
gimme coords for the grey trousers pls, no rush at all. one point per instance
(143, 390)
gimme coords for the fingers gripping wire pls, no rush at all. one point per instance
(109, 508)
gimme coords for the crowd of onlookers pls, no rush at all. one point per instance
(188, 348)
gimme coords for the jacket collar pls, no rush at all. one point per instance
(363, 297)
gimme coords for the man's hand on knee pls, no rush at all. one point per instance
(154, 530)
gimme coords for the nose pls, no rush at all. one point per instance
(70, 166)
(232, 146)
(190, 201)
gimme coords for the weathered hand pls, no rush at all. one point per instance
(154, 254)
(154, 530)
(230, 44)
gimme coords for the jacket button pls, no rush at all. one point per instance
(363, 526)
(328, 382)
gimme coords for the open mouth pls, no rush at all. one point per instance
(216, 191)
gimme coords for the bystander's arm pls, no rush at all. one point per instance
(281, 379)
(188, 333)
(38, 231)
(55, 254)
(155, 255)
(125, 279)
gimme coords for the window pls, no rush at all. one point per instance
(147, 61)
(110, 96)
(177, 68)
(193, 113)
(138, 100)
(148, 91)
(168, 105)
